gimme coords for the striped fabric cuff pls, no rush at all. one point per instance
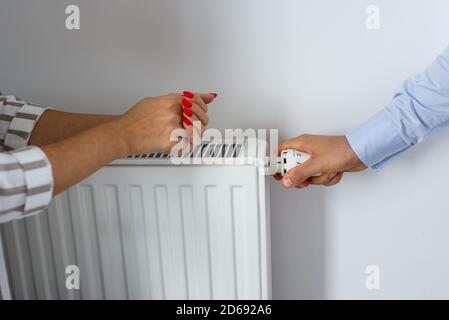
(22, 124)
(38, 178)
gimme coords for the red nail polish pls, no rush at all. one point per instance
(186, 103)
(188, 94)
(186, 121)
(188, 112)
(214, 94)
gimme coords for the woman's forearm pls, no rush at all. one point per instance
(79, 156)
(54, 126)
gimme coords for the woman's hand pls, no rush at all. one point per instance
(330, 157)
(147, 126)
(144, 128)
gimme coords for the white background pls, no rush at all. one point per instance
(297, 65)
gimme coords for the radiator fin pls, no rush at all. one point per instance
(137, 215)
(222, 257)
(171, 243)
(19, 262)
(195, 234)
(110, 242)
(63, 243)
(154, 252)
(248, 251)
(86, 241)
(41, 257)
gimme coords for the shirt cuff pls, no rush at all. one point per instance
(377, 141)
(38, 178)
(23, 123)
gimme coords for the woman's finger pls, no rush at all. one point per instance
(195, 98)
(190, 109)
(207, 97)
(194, 127)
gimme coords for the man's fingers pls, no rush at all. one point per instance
(297, 143)
(335, 179)
(289, 144)
(322, 179)
(299, 174)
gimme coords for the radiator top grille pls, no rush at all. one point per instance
(206, 149)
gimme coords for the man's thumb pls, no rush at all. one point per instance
(296, 176)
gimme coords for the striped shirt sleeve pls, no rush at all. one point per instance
(26, 180)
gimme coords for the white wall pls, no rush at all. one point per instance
(297, 65)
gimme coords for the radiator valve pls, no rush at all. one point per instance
(288, 159)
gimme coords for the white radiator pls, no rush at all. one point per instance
(143, 228)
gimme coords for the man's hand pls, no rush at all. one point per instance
(330, 157)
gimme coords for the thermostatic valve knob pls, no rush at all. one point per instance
(289, 159)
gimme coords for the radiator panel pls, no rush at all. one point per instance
(163, 232)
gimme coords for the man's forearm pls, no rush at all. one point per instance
(82, 154)
(54, 126)
(418, 109)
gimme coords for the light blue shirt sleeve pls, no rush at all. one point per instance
(419, 108)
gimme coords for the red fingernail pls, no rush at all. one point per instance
(188, 112)
(186, 103)
(214, 94)
(186, 121)
(188, 94)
